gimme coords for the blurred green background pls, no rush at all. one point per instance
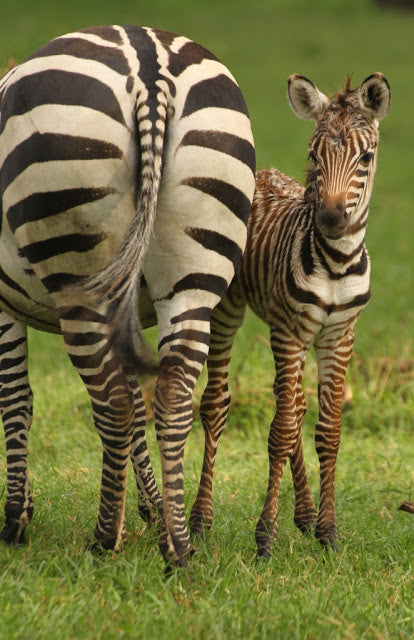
(262, 43)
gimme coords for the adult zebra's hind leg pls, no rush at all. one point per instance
(16, 412)
(86, 335)
(149, 497)
(182, 354)
(226, 319)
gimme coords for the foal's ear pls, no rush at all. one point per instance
(375, 96)
(305, 98)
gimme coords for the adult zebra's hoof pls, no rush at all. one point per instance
(175, 553)
(100, 549)
(12, 534)
(105, 545)
(151, 514)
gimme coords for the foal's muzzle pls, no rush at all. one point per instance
(332, 219)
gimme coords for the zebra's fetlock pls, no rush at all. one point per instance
(200, 523)
(327, 536)
(265, 537)
(108, 540)
(151, 514)
(15, 525)
(13, 534)
(305, 521)
(174, 551)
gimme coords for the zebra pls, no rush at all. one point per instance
(126, 155)
(305, 272)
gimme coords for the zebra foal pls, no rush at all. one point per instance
(124, 152)
(305, 272)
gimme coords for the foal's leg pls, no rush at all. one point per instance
(16, 413)
(283, 433)
(305, 510)
(333, 355)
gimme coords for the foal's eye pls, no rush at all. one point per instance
(366, 157)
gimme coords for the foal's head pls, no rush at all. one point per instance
(342, 149)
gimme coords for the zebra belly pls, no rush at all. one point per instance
(22, 294)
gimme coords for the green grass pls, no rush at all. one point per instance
(51, 588)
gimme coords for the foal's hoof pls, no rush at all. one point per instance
(263, 554)
(331, 545)
(407, 506)
(199, 530)
(328, 539)
(199, 523)
(265, 536)
(305, 523)
(98, 550)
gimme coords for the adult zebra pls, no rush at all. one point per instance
(123, 150)
(305, 272)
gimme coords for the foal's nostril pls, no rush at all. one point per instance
(332, 220)
(341, 210)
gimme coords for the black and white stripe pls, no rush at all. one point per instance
(305, 272)
(123, 151)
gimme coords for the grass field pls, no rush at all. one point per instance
(51, 588)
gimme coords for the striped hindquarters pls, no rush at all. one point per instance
(80, 196)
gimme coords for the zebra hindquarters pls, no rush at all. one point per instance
(333, 353)
(226, 319)
(16, 413)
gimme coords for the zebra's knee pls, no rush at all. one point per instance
(215, 403)
(172, 392)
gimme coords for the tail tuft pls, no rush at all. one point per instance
(133, 351)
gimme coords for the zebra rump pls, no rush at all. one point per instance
(126, 156)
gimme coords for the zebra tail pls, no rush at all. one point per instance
(119, 281)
